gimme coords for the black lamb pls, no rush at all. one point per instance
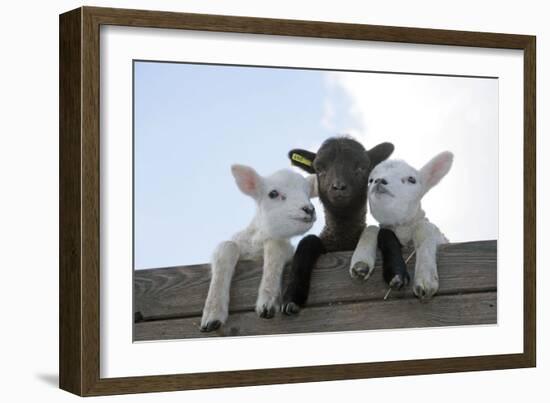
(342, 166)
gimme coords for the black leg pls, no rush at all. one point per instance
(394, 267)
(308, 251)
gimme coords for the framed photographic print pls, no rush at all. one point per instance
(294, 200)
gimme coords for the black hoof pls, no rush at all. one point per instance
(395, 275)
(211, 326)
(399, 280)
(290, 308)
(267, 312)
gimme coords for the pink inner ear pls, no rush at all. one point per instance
(249, 182)
(246, 178)
(437, 167)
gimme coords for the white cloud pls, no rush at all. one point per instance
(328, 115)
(422, 116)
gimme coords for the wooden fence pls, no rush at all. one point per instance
(168, 301)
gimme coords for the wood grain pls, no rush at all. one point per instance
(315, 29)
(70, 274)
(530, 202)
(90, 201)
(449, 310)
(181, 291)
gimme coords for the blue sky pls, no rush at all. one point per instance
(193, 121)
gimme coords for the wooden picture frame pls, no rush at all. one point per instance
(79, 279)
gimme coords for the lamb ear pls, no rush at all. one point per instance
(436, 169)
(314, 188)
(302, 159)
(379, 153)
(248, 180)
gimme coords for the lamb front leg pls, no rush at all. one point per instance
(394, 267)
(223, 265)
(426, 278)
(308, 251)
(364, 256)
(276, 254)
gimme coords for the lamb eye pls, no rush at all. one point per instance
(411, 179)
(273, 194)
(370, 180)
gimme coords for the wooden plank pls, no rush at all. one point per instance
(448, 310)
(181, 291)
(315, 29)
(70, 208)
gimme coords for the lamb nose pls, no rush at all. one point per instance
(382, 181)
(309, 210)
(339, 186)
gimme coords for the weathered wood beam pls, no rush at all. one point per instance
(443, 310)
(180, 292)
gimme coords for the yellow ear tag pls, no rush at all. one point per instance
(300, 159)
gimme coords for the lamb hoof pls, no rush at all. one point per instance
(290, 308)
(425, 290)
(211, 326)
(361, 270)
(398, 281)
(423, 294)
(266, 312)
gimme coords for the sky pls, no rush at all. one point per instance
(192, 121)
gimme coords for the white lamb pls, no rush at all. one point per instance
(395, 193)
(283, 211)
